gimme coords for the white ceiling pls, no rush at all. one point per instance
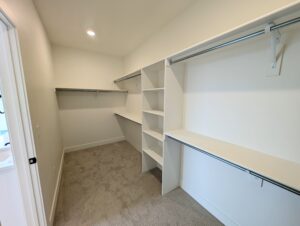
(120, 25)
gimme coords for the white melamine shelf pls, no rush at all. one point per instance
(130, 116)
(90, 90)
(154, 156)
(154, 134)
(279, 170)
(129, 76)
(154, 90)
(154, 112)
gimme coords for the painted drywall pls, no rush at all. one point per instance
(37, 63)
(202, 20)
(85, 69)
(229, 96)
(87, 119)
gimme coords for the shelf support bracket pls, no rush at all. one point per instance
(276, 50)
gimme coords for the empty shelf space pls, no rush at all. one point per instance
(155, 156)
(154, 134)
(272, 168)
(154, 112)
(130, 116)
(154, 90)
(89, 90)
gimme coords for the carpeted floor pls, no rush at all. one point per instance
(104, 186)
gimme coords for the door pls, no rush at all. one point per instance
(20, 193)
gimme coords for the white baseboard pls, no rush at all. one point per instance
(216, 212)
(56, 191)
(93, 144)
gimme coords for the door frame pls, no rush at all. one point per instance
(19, 122)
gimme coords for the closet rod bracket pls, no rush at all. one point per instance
(276, 50)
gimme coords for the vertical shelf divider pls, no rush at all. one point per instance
(174, 101)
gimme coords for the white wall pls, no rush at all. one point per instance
(229, 96)
(87, 119)
(37, 63)
(202, 20)
(85, 69)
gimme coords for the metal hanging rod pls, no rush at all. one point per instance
(237, 40)
(132, 75)
(89, 90)
(263, 178)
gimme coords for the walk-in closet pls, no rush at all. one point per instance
(151, 113)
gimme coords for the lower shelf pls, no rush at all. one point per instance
(273, 169)
(154, 134)
(154, 156)
(130, 116)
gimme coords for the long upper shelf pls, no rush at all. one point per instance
(130, 116)
(90, 90)
(279, 170)
(131, 75)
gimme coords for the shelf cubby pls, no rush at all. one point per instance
(154, 134)
(153, 76)
(153, 101)
(154, 149)
(154, 155)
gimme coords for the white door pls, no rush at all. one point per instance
(20, 194)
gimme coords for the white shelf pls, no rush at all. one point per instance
(154, 112)
(89, 90)
(131, 75)
(153, 90)
(154, 134)
(130, 116)
(279, 170)
(154, 155)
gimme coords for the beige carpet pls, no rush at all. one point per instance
(104, 186)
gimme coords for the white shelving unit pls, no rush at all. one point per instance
(153, 82)
(162, 90)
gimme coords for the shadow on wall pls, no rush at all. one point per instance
(89, 100)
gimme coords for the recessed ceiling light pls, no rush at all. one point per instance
(91, 33)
